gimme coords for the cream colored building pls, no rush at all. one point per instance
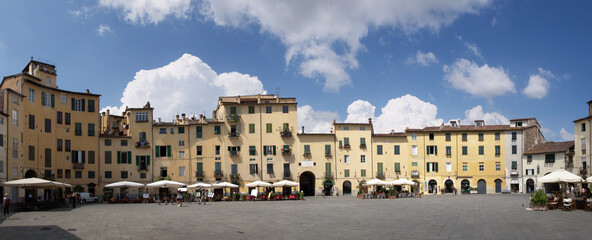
(583, 145)
(543, 159)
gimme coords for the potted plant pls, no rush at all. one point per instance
(539, 200)
(301, 195)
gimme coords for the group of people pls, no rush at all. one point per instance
(72, 199)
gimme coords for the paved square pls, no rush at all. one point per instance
(430, 217)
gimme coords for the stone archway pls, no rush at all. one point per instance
(498, 185)
(529, 185)
(307, 183)
(30, 173)
(30, 194)
(346, 187)
(432, 186)
(465, 186)
(481, 187)
(448, 185)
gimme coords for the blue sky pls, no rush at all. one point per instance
(423, 62)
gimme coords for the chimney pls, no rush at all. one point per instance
(147, 105)
(479, 123)
(183, 116)
(108, 112)
(158, 120)
(303, 129)
(87, 91)
(333, 121)
(370, 120)
(453, 123)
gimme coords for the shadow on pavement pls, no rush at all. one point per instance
(36, 232)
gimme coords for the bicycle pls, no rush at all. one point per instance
(159, 201)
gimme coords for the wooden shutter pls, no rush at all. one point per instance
(148, 160)
(168, 150)
(436, 167)
(74, 156)
(83, 156)
(274, 150)
(53, 100)
(82, 103)
(129, 157)
(42, 98)
(264, 150)
(157, 151)
(73, 104)
(118, 157)
(436, 150)
(137, 160)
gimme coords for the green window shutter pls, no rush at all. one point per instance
(327, 149)
(42, 98)
(83, 103)
(379, 167)
(274, 150)
(83, 156)
(137, 160)
(397, 167)
(328, 167)
(118, 157)
(436, 167)
(200, 167)
(168, 150)
(427, 150)
(73, 105)
(218, 166)
(157, 150)
(238, 128)
(53, 100)
(148, 160)
(74, 155)
(229, 148)
(198, 132)
(129, 157)
(264, 152)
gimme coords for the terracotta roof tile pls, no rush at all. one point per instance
(550, 147)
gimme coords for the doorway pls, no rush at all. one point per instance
(465, 186)
(432, 186)
(328, 187)
(529, 185)
(481, 187)
(498, 185)
(307, 183)
(30, 194)
(449, 185)
(346, 187)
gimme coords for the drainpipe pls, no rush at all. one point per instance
(260, 141)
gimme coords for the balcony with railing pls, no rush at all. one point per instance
(233, 118)
(287, 175)
(514, 173)
(234, 177)
(328, 175)
(362, 145)
(233, 135)
(142, 144)
(414, 175)
(584, 172)
(286, 151)
(307, 154)
(286, 133)
(199, 174)
(78, 166)
(346, 145)
(233, 153)
(218, 174)
(142, 167)
(380, 175)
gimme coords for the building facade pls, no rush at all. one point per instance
(582, 137)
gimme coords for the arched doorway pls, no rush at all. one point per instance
(498, 185)
(30, 174)
(346, 187)
(432, 186)
(529, 185)
(307, 183)
(30, 194)
(328, 187)
(481, 187)
(415, 187)
(465, 186)
(449, 184)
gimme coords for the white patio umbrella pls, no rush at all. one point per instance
(165, 184)
(285, 183)
(376, 182)
(402, 181)
(124, 184)
(589, 179)
(224, 185)
(200, 185)
(559, 176)
(258, 184)
(33, 182)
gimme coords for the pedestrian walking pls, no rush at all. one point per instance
(179, 199)
(74, 200)
(6, 205)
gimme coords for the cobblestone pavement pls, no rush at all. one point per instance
(430, 217)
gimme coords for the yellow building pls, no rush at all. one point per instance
(53, 133)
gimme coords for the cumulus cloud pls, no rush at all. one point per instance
(565, 135)
(149, 11)
(103, 29)
(490, 118)
(323, 37)
(186, 85)
(538, 85)
(423, 58)
(471, 46)
(316, 121)
(360, 111)
(481, 81)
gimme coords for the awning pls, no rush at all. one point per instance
(514, 181)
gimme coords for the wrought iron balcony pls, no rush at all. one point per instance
(514, 173)
(218, 174)
(78, 166)
(327, 154)
(286, 151)
(307, 154)
(363, 145)
(287, 175)
(234, 176)
(380, 175)
(142, 144)
(199, 174)
(233, 135)
(142, 168)
(414, 175)
(583, 172)
(346, 145)
(233, 118)
(328, 175)
(286, 134)
(233, 153)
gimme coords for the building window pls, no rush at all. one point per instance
(31, 95)
(182, 171)
(432, 167)
(397, 167)
(481, 150)
(77, 104)
(217, 130)
(181, 130)
(346, 159)
(181, 154)
(363, 142)
(363, 158)
(59, 117)
(414, 137)
(497, 136)
(363, 173)
(123, 143)
(583, 127)
(528, 158)
(465, 167)
(163, 151)
(268, 128)
(78, 129)
(123, 174)
(414, 150)
(107, 173)
(379, 149)
(448, 167)
(448, 151)
(550, 158)
(91, 174)
(514, 166)
(284, 109)
(67, 173)
(464, 137)
(47, 99)
(15, 147)
(59, 145)
(63, 98)
(162, 131)
(346, 173)
(583, 140)
(270, 168)
(432, 150)
(267, 109)
(172, 130)
(107, 157)
(47, 125)
(253, 169)
(181, 143)
(77, 174)
(91, 105)
(67, 145)
(514, 149)
(431, 136)
(217, 150)
(31, 121)
(269, 150)
(448, 137)
(481, 136)
(497, 150)
(346, 128)
(91, 129)
(465, 150)
(362, 128)
(67, 118)
(142, 117)
(498, 166)
(481, 167)
(514, 137)
(414, 164)
(31, 153)
(251, 128)
(397, 150)
(107, 142)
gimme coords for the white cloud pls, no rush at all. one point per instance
(82, 14)
(316, 121)
(472, 47)
(494, 22)
(490, 118)
(323, 37)
(481, 81)
(537, 87)
(104, 28)
(423, 58)
(186, 84)
(548, 133)
(149, 11)
(565, 135)
(360, 111)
